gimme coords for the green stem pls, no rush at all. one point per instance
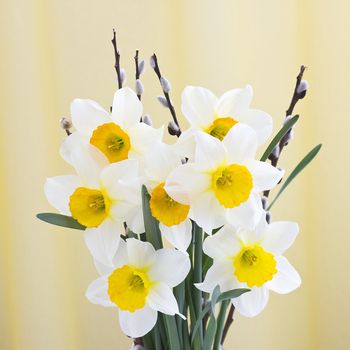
(197, 275)
(220, 324)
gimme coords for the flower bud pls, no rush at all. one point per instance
(152, 62)
(264, 202)
(302, 89)
(141, 67)
(147, 119)
(166, 86)
(275, 152)
(65, 123)
(163, 101)
(268, 217)
(139, 87)
(122, 76)
(173, 129)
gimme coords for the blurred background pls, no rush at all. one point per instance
(54, 50)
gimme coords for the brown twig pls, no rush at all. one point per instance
(137, 69)
(166, 94)
(117, 60)
(228, 323)
(297, 95)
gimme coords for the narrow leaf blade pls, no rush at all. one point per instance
(210, 333)
(297, 170)
(60, 220)
(278, 137)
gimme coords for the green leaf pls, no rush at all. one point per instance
(171, 329)
(303, 163)
(279, 137)
(214, 298)
(210, 333)
(151, 224)
(60, 220)
(231, 294)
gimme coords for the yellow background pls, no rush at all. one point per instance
(54, 51)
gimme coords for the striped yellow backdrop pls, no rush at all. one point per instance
(55, 50)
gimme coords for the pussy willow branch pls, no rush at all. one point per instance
(137, 69)
(274, 158)
(166, 94)
(117, 60)
(228, 323)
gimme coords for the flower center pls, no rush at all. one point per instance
(254, 266)
(112, 141)
(128, 288)
(220, 127)
(232, 184)
(165, 209)
(89, 207)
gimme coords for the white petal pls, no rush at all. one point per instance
(185, 146)
(103, 241)
(171, 267)
(198, 106)
(241, 143)
(224, 244)
(286, 279)
(161, 298)
(140, 254)
(234, 102)
(221, 273)
(160, 161)
(138, 323)
(185, 183)
(87, 115)
(248, 214)
(97, 293)
(127, 108)
(74, 140)
(210, 152)
(252, 303)
(260, 121)
(130, 213)
(279, 236)
(178, 235)
(207, 212)
(103, 269)
(88, 162)
(142, 138)
(58, 189)
(265, 176)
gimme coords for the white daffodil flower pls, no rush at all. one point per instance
(139, 283)
(174, 222)
(251, 259)
(118, 135)
(101, 196)
(216, 116)
(224, 181)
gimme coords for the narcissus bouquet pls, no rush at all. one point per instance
(180, 234)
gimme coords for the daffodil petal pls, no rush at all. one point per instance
(185, 146)
(207, 212)
(220, 273)
(265, 176)
(279, 236)
(138, 323)
(58, 189)
(185, 183)
(87, 115)
(210, 152)
(140, 254)
(88, 162)
(250, 304)
(248, 214)
(260, 121)
(130, 213)
(161, 298)
(97, 293)
(223, 244)
(74, 140)
(286, 279)
(234, 102)
(241, 143)
(127, 108)
(178, 235)
(171, 267)
(198, 106)
(103, 241)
